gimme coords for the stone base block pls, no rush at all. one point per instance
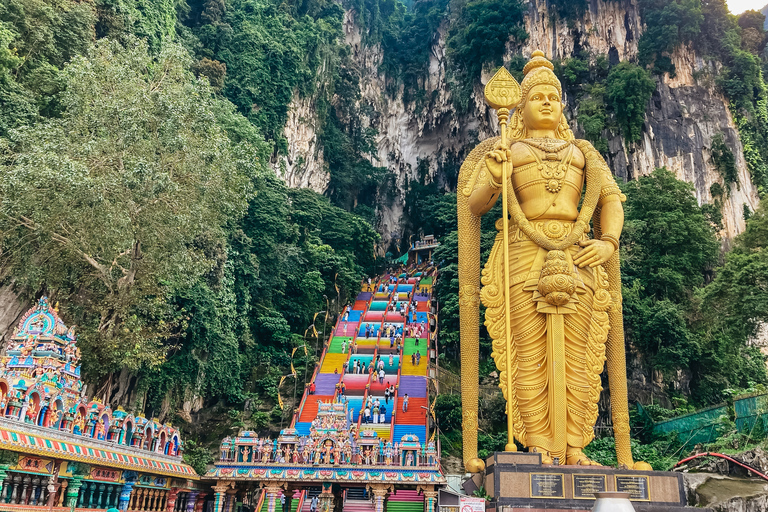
(519, 482)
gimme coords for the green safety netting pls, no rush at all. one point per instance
(696, 427)
(402, 259)
(748, 409)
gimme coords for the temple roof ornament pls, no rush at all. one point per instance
(41, 391)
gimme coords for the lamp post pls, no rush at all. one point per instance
(316, 336)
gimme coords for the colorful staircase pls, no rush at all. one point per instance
(360, 336)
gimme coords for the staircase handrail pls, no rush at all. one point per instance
(314, 376)
(260, 503)
(302, 495)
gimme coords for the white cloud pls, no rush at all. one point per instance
(739, 6)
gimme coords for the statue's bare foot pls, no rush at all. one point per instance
(642, 466)
(576, 457)
(545, 457)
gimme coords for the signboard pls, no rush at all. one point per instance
(470, 504)
(585, 486)
(636, 486)
(547, 485)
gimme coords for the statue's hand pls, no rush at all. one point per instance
(594, 253)
(494, 161)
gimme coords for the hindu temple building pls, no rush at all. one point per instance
(361, 440)
(65, 451)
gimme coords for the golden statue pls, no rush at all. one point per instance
(552, 292)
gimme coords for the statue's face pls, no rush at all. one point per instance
(543, 108)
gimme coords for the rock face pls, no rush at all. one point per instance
(726, 494)
(681, 120)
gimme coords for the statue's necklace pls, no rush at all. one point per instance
(547, 145)
(553, 170)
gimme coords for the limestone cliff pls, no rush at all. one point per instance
(683, 116)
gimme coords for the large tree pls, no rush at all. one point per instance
(122, 200)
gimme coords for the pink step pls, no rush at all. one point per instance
(403, 495)
(358, 506)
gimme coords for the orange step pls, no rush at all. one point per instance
(309, 412)
(415, 415)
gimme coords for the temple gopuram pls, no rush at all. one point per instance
(360, 440)
(65, 451)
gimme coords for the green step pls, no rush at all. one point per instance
(411, 347)
(294, 505)
(405, 506)
(335, 347)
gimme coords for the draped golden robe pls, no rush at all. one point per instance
(557, 352)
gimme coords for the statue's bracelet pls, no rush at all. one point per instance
(612, 239)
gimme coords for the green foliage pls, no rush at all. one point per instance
(143, 159)
(291, 248)
(353, 177)
(407, 46)
(668, 248)
(448, 412)
(8, 458)
(657, 454)
(478, 36)
(152, 20)
(570, 9)
(197, 456)
(583, 78)
(628, 89)
(269, 53)
(738, 302)
(667, 244)
(668, 25)
(724, 161)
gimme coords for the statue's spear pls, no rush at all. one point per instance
(502, 92)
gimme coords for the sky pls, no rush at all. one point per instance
(739, 6)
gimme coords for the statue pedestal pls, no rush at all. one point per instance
(518, 482)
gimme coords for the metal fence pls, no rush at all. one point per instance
(450, 383)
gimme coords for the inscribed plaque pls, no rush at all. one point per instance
(547, 485)
(636, 486)
(585, 486)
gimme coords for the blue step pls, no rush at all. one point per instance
(355, 316)
(419, 431)
(302, 428)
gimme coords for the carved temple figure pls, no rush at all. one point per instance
(551, 290)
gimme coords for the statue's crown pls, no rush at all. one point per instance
(539, 71)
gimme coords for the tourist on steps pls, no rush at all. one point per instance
(313, 504)
(405, 403)
(386, 394)
(383, 414)
(381, 376)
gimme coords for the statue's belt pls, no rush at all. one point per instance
(552, 229)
